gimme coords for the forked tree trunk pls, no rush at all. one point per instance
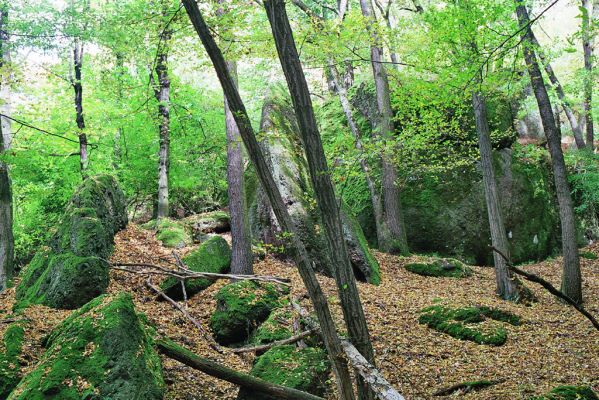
(394, 231)
(163, 97)
(319, 301)
(507, 287)
(6, 216)
(328, 204)
(587, 47)
(78, 88)
(571, 277)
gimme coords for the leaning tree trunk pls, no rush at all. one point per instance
(587, 46)
(319, 301)
(78, 88)
(394, 231)
(507, 287)
(328, 204)
(6, 216)
(163, 96)
(571, 277)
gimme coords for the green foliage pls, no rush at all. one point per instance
(302, 369)
(102, 350)
(584, 180)
(214, 255)
(441, 268)
(452, 321)
(241, 307)
(10, 368)
(567, 392)
(589, 255)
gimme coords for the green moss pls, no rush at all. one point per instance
(589, 255)
(173, 234)
(567, 392)
(9, 359)
(101, 351)
(452, 322)
(241, 307)
(276, 327)
(306, 370)
(214, 255)
(454, 269)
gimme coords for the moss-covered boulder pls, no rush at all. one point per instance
(567, 392)
(10, 368)
(444, 267)
(171, 233)
(241, 307)
(210, 222)
(278, 326)
(306, 370)
(284, 154)
(72, 270)
(101, 351)
(460, 323)
(214, 255)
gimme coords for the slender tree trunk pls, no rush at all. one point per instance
(6, 216)
(571, 277)
(120, 65)
(78, 88)
(332, 342)
(328, 204)
(394, 239)
(163, 97)
(587, 47)
(507, 287)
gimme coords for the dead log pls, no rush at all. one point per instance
(176, 352)
(267, 346)
(466, 387)
(550, 288)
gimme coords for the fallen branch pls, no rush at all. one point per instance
(379, 385)
(466, 387)
(267, 346)
(550, 288)
(172, 350)
(194, 321)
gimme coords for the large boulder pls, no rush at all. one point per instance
(72, 269)
(206, 223)
(302, 369)
(104, 350)
(282, 148)
(10, 368)
(214, 255)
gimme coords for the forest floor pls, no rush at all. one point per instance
(554, 346)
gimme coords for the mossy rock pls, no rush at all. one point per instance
(449, 268)
(173, 234)
(567, 392)
(103, 350)
(10, 368)
(452, 321)
(278, 326)
(214, 255)
(241, 307)
(589, 255)
(302, 369)
(210, 222)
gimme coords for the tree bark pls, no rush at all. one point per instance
(587, 47)
(6, 213)
(298, 250)
(571, 277)
(163, 96)
(78, 88)
(394, 232)
(328, 205)
(241, 241)
(507, 287)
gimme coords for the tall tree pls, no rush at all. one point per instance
(571, 276)
(394, 231)
(162, 93)
(321, 181)
(298, 249)
(587, 46)
(77, 84)
(241, 242)
(6, 213)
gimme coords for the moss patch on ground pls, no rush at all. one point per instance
(214, 256)
(588, 255)
(241, 307)
(567, 392)
(10, 368)
(452, 321)
(103, 350)
(445, 267)
(306, 370)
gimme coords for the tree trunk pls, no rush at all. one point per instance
(332, 343)
(321, 181)
(571, 277)
(507, 287)
(6, 216)
(78, 88)
(163, 97)
(394, 232)
(587, 47)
